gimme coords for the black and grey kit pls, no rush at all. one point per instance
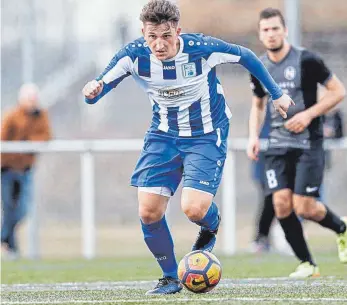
(295, 161)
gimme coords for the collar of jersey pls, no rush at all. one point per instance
(283, 59)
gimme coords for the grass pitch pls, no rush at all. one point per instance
(246, 279)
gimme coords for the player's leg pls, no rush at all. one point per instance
(265, 217)
(9, 204)
(200, 209)
(157, 175)
(203, 161)
(310, 169)
(280, 181)
(152, 207)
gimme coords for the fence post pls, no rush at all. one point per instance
(229, 205)
(88, 205)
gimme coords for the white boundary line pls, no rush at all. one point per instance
(259, 282)
(250, 282)
(178, 300)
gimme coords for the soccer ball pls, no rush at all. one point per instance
(199, 271)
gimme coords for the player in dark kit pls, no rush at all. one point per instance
(294, 161)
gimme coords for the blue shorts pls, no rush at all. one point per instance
(165, 159)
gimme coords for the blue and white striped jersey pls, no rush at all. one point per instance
(186, 96)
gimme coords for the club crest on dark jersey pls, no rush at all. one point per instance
(289, 73)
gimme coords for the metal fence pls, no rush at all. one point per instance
(87, 150)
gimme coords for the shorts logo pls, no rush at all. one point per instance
(311, 189)
(170, 93)
(189, 70)
(204, 182)
(289, 73)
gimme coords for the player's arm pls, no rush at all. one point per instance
(316, 71)
(119, 68)
(223, 52)
(334, 94)
(256, 118)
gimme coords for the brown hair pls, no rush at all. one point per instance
(160, 11)
(272, 12)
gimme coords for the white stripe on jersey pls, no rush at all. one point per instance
(220, 89)
(206, 116)
(217, 58)
(164, 122)
(183, 122)
(120, 69)
(227, 109)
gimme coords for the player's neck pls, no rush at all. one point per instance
(279, 55)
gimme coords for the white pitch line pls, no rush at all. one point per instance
(179, 300)
(260, 282)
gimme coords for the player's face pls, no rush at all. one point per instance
(162, 39)
(272, 33)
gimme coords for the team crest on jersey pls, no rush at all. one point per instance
(170, 93)
(289, 73)
(189, 70)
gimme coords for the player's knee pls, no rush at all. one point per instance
(151, 215)
(282, 205)
(305, 207)
(195, 203)
(193, 211)
(152, 207)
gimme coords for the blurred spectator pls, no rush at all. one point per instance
(27, 121)
(333, 129)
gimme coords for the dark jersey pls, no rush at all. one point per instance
(298, 74)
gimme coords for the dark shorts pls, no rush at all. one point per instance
(166, 159)
(300, 170)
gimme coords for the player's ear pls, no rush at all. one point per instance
(286, 32)
(178, 31)
(143, 31)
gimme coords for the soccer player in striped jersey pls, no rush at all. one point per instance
(188, 134)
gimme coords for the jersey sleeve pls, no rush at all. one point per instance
(256, 87)
(220, 52)
(119, 68)
(315, 68)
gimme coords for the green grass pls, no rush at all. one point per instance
(332, 284)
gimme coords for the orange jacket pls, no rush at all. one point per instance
(19, 125)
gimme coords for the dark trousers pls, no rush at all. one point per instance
(16, 195)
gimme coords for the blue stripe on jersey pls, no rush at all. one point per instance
(197, 61)
(144, 66)
(195, 119)
(156, 115)
(169, 69)
(217, 101)
(172, 119)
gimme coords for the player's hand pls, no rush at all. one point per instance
(253, 148)
(299, 122)
(282, 104)
(92, 89)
